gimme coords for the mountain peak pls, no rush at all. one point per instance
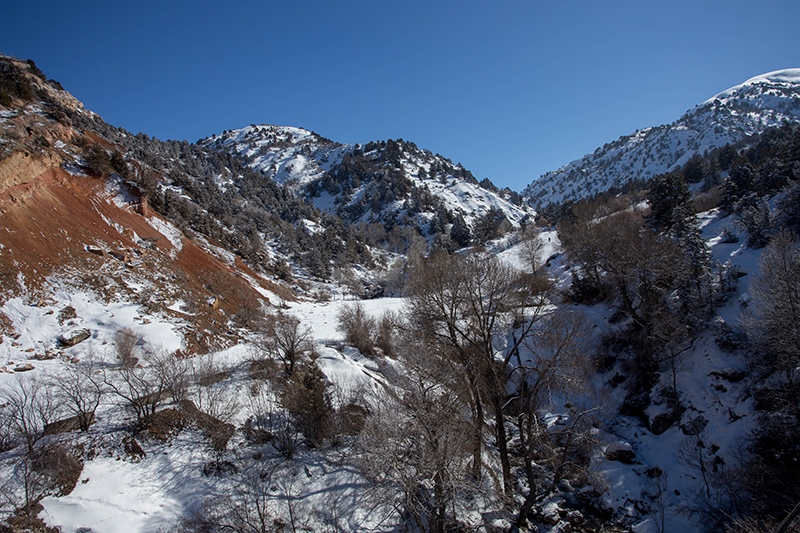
(789, 76)
(747, 109)
(286, 154)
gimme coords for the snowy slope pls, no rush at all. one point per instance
(326, 171)
(287, 155)
(432, 174)
(730, 116)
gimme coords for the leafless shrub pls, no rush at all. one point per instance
(28, 406)
(126, 344)
(146, 386)
(722, 494)
(358, 327)
(60, 466)
(166, 424)
(209, 391)
(283, 338)
(79, 388)
(6, 431)
(246, 508)
(413, 451)
(532, 248)
(269, 422)
(385, 339)
(707, 200)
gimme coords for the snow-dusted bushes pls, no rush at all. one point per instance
(358, 327)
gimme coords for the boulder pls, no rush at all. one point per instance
(74, 337)
(662, 422)
(694, 426)
(621, 452)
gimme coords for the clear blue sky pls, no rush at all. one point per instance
(511, 88)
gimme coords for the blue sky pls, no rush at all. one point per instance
(511, 89)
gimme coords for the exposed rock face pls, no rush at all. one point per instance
(69, 424)
(21, 167)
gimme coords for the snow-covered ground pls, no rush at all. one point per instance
(116, 494)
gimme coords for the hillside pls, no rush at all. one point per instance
(388, 182)
(268, 331)
(67, 226)
(729, 117)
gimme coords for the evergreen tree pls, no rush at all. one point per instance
(667, 192)
(460, 231)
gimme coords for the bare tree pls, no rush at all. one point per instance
(79, 388)
(773, 317)
(345, 277)
(412, 447)
(659, 498)
(269, 422)
(148, 384)
(386, 333)
(619, 252)
(29, 406)
(208, 389)
(287, 482)
(723, 494)
(22, 487)
(283, 338)
(6, 433)
(247, 507)
(532, 248)
(127, 344)
(553, 361)
(466, 305)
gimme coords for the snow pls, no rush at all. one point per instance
(789, 76)
(322, 316)
(514, 257)
(116, 496)
(297, 157)
(289, 155)
(38, 327)
(749, 108)
(117, 193)
(349, 370)
(168, 230)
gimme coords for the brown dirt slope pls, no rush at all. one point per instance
(58, 224)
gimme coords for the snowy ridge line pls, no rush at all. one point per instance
(731, 116)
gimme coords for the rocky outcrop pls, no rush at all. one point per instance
(74, 337)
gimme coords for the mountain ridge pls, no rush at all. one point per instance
(390, 182)
(731, 116)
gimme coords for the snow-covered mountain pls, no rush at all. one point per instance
(294, 156)
(391, 182)
(729, 117)
(139, 273)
